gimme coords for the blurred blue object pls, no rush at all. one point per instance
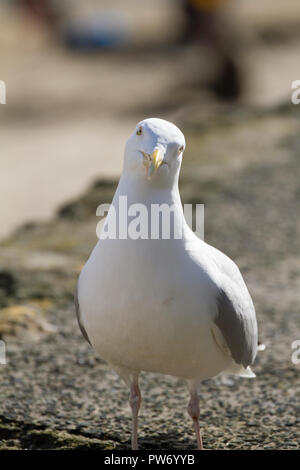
(107, 29)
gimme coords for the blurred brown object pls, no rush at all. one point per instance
(206, 4)
(202, 18)
(204, 24)
(42, 10)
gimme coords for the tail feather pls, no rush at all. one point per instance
(237, 369)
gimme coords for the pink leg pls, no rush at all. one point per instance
(194, 412)
(135, 403)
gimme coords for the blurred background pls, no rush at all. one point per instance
(79, 76)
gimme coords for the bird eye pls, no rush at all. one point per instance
(139, 131)
(181, 149)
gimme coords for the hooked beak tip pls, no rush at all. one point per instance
(156, 159)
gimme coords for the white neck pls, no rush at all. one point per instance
(140, 190)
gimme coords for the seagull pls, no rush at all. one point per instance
(164, 304)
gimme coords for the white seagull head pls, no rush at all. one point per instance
(154, 152)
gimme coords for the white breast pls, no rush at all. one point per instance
(148, 305)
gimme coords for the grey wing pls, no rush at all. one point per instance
(78, 315)
(237, 323)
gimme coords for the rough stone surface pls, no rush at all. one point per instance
(55, 394)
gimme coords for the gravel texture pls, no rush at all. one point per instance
(55, 394)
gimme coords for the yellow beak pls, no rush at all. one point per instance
(156, 159)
